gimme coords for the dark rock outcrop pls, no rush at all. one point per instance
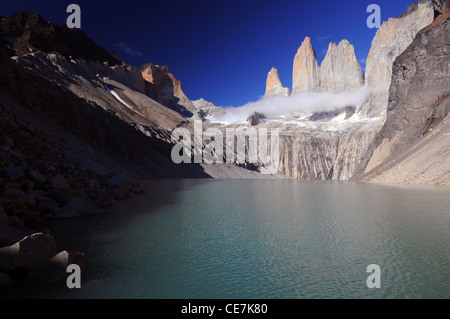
(26, 32)
(419, 101)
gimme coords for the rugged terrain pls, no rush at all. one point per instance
(78, 126)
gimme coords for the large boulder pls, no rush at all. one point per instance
(10, 235)
(30, 252)
(55, 270)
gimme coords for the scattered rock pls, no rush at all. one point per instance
(30, 252)
(119, 180)
(58, 182)
(13, 173)
(37, 177)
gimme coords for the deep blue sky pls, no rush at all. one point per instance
(220, 50)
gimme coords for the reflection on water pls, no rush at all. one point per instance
(265, 239)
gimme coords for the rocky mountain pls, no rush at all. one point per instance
(340, 71)
(168, 89)
(28, 32)
(306, 74)
(274, 86)
(412, 147)
(390, 41)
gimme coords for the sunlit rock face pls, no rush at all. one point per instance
(274, 86)
(306, 72)
(391, 40)
(340, 70)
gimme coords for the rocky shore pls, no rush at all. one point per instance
(71, 187)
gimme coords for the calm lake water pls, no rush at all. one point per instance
(265, 239)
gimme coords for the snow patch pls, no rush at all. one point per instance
(120, 100)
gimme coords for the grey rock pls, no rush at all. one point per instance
(390, 41)
(58, 182)
(37, 177)
(13, 173)
(419, 104)
(340, 70)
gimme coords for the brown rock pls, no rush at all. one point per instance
(274, 86)
(306, 75)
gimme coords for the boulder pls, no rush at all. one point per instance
(55, 270)
(10, 235)
(30, 252)
(83, 206)
(37, 177)
(13, 173)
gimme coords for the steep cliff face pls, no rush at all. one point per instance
(274, 86)
(168, 89)
(340, 70)
(306, 75)
(390, 41)
(413, 145)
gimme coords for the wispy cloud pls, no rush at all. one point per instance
(323, 38)
(127, 49)
(362, 61)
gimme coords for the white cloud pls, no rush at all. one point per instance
(275, 107)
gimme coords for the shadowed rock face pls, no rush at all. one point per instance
(274, 86)
(391, 40)
(306, 74)
(416, 129)
(27, 32)
(340, 70)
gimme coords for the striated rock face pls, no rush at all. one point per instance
(306, 74)
(340, 70)
(274, 86)
(413, 145)
(391, 40)
(168, 88)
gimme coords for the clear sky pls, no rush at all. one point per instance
(220, 50)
